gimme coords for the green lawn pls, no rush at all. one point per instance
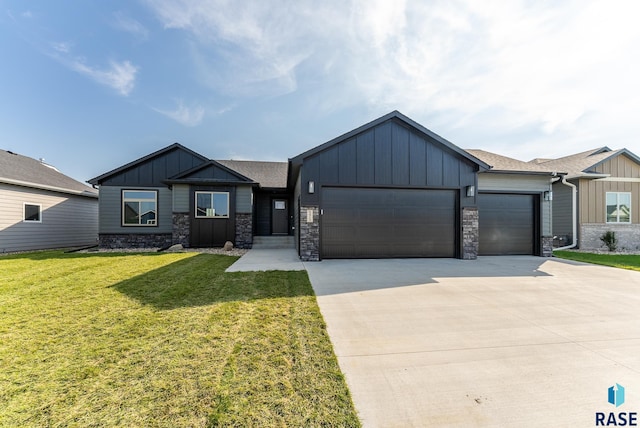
(162, 340)
(622, 261)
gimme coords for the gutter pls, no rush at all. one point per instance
(574, 197)
(85, 193)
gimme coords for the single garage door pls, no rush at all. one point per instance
(376, 223)
(507, 224)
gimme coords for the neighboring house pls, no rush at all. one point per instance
(42, 208)
(390, 188)
(515, 206)
(607, 199)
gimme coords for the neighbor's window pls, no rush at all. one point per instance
(212, 204)
(32, 213)
(139, 208)
(618, 207)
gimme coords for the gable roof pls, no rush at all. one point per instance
(297, 161)
(175, 146)
(582, 164)
(389, 116)
(28, 172)
(506, 164)
(210, 172)
(271, 175)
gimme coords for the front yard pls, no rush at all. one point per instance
(622, 261)
(162, 340)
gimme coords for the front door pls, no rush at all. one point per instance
(279, 217)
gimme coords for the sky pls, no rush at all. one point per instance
(92, 85)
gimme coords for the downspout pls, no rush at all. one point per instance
(574, 197)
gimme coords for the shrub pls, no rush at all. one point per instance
(610, 240)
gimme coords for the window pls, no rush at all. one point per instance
(32, 213)
(618, 207)
(139, 208)
(212, 204)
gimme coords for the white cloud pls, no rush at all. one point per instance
(62, 47)
(125, 23)
(120, 76)
(184, 115)
(564, 71)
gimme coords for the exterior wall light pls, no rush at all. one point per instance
(548, 195)
(312, 187)
(471, 191)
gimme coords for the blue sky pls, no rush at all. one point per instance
(92, 85)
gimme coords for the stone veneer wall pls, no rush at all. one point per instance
(309, 235)
(547, 246)
(181, 229)
(133, 240)
(628, 236)
(470, 233)
(244, 231)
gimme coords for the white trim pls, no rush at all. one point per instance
(606, 216)
(24, 212)
(123, 200)
(86, 193)
(195, 212)
(619, 179)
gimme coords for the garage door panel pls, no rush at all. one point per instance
(507, 224)
(375, 223)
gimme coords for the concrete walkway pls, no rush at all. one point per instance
(262, 259)
(500, 341)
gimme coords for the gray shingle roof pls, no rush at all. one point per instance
(29, 172)
(581, 163)
(268, 174)
(504, 163)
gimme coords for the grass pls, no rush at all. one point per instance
(622, 261)
(162, 340)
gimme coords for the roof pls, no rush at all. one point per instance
(296, 162)
(28, 172)
(267, 174)
(174, 146)
(582, 164)
(506, 164)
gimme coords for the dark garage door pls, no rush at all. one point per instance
(507, 224)
(375, 223)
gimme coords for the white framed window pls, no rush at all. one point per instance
(618, 207)
(139, 208)
(212, 204)
(32, 213)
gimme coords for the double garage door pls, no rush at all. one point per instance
(379, 223)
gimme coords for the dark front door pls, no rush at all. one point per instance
(279, 217)
(376, 223)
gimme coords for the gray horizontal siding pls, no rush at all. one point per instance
(522, 184)
(67, 221)
(243, 199)
(111, 211)
(181, 198)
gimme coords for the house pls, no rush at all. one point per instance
(607, 197)
(515, 206)
(42, 208)
(390, 188)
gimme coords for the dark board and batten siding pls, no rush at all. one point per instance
(153, 172)
(389, 155)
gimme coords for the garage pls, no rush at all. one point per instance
(507, 224)
(378, 222)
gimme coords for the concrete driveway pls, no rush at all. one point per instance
(500, 341)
